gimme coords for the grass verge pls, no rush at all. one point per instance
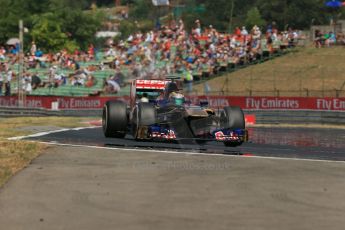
(16, 155)
(307, 72)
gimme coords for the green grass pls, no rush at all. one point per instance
(307, 72)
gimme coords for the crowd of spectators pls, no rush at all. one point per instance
(327, 39)
(168, 51)
(324, 39)
(6, 75)
(171, 50)
(53, 68)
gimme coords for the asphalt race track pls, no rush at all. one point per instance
(315, 144)
(287, 179)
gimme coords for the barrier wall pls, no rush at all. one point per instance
(246, 103)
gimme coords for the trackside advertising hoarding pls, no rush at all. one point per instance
(246, 103)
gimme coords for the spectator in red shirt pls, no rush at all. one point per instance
(91, 51)
(238, 31)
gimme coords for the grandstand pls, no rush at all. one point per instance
(172, 52)
(100, 75)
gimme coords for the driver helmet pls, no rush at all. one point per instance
(171, 87)
(177, 98)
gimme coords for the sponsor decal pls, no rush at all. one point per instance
(13, 101)
(168, 134)
(330, 104)
(271, 103)
(219, 136)
(150, 84)
(78, 103)
(215, 102)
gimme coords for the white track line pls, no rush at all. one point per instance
(49, 132)
(159, 151)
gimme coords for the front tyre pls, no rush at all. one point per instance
(114, 119)
(234, 118)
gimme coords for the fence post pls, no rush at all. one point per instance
(277, 92)
(307, 92)
(250, 93)
(337, 93)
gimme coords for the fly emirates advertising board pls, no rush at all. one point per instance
(246, 103)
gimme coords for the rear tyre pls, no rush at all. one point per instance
(144, 115)
(114, 119)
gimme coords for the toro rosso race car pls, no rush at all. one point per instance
(159, 111)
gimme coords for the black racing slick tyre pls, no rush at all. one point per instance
(114, 119)
(144, 115)
(234, 118)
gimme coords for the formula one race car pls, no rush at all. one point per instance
(159, 111)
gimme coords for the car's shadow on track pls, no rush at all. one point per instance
(183, 145)
(94, 137)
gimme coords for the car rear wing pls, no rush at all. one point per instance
(151, 84)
